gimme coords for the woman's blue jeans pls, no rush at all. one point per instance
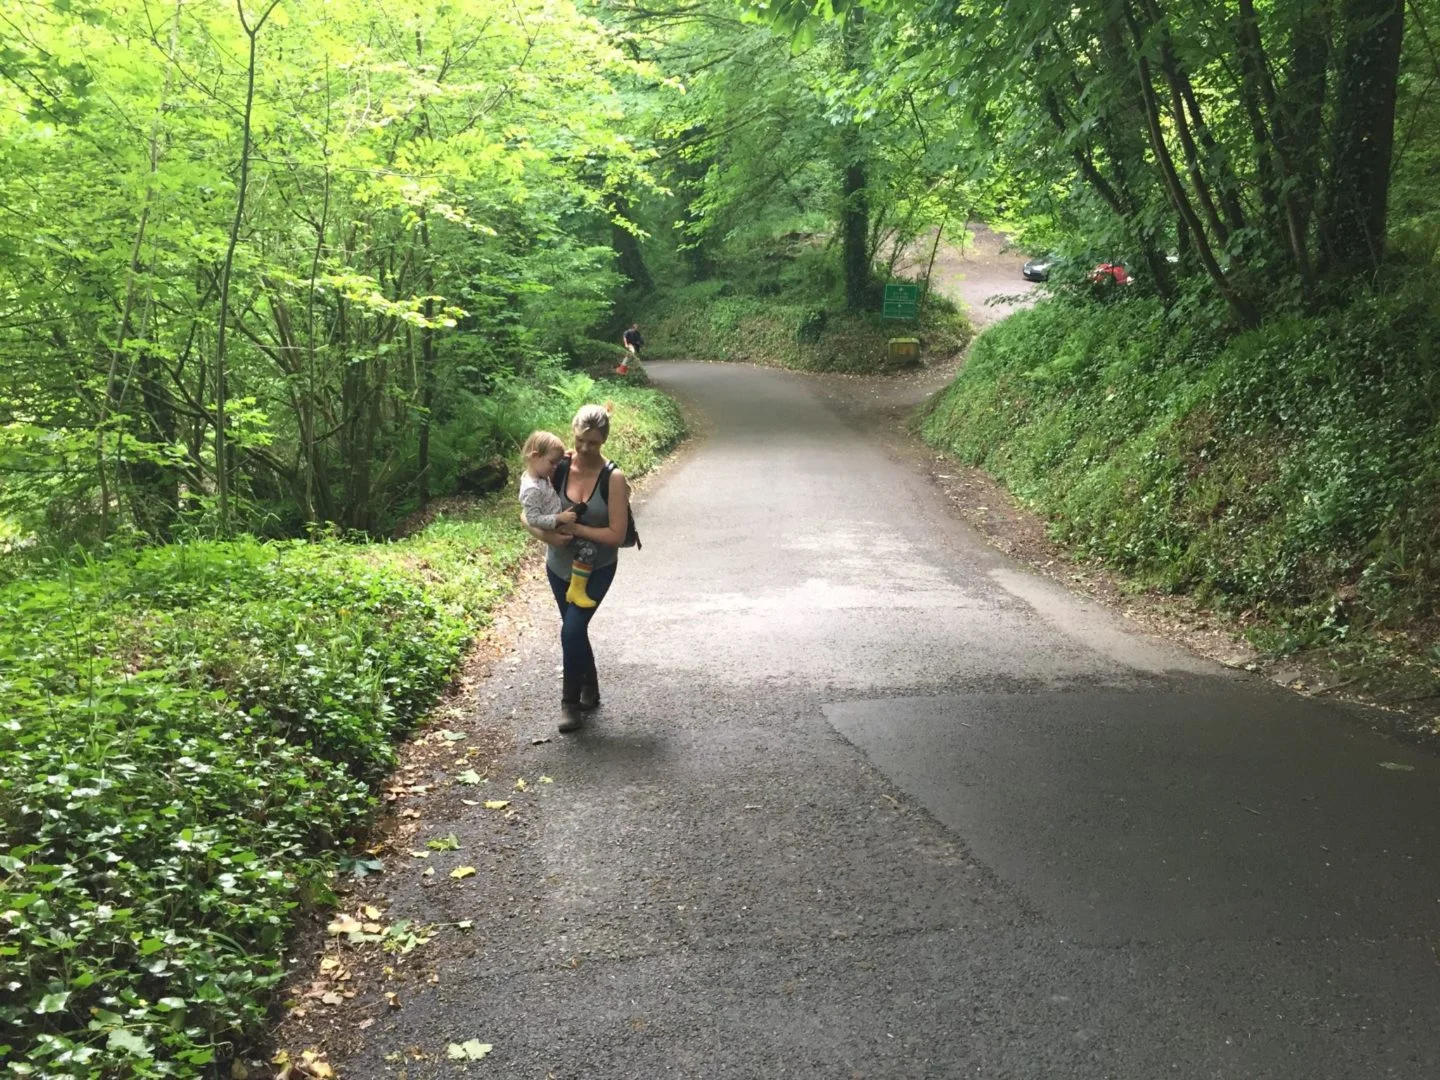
(577, 658)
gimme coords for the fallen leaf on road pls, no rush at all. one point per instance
(470, 802)
(444, 843)
(462, 871)
(332, 998)
(365, 1023)
(469, 776)
(496, 804)
(371, 911)
(546, 780)
(344, 925)
(537, 742)
(1396, 766)
(454, 736)
(312, 1063)
(520, 784)
(392, 999)
(465, 924)
(469, 1050)
(419, 854)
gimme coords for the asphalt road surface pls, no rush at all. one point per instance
(867, 800)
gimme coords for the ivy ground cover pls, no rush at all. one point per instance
(188, 735)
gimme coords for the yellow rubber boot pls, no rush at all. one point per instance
(579, 579)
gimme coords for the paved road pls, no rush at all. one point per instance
(866, 800)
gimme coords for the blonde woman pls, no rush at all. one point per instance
(597, 492)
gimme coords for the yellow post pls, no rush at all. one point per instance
(904, 351)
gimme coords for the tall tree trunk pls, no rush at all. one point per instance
(854, 236)
(1240, 306)
(222, 465)
(1364, 134)
(1302, 109)
(427, 367)
(854, 201)
(1122, 121)
(155, 502)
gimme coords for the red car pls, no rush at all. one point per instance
(1038, 269)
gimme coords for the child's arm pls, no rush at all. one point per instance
(532, 502)
(554, 539)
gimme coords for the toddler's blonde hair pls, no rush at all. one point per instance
(542, 442)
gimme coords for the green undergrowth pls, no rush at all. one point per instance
(1290, 474)
(784, 309)
(192, 736)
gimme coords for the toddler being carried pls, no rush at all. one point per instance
(544, 508)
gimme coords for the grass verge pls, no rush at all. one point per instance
(191, 734)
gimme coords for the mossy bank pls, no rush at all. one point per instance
(1290, 475)
(785, 308)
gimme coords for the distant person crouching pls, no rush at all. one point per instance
(632, 340)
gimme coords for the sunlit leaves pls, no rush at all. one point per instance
(414, 176)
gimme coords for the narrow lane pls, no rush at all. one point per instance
(867, 800)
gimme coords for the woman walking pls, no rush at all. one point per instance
(591, 486)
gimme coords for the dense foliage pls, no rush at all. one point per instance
(259, 264)
(191, 732)
(768, 139)
(1256, 144)
(268, 267)
(785, 203)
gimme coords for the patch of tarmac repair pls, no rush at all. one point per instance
(1096, 627)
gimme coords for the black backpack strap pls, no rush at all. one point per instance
(560, 478)
(632, 536)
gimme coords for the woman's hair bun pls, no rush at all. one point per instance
(592, 418)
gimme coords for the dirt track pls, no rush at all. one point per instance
(980, 274)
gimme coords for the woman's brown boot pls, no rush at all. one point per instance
(572, 716)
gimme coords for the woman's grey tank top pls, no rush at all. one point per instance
(596, 514)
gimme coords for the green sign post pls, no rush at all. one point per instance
(901, 301)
